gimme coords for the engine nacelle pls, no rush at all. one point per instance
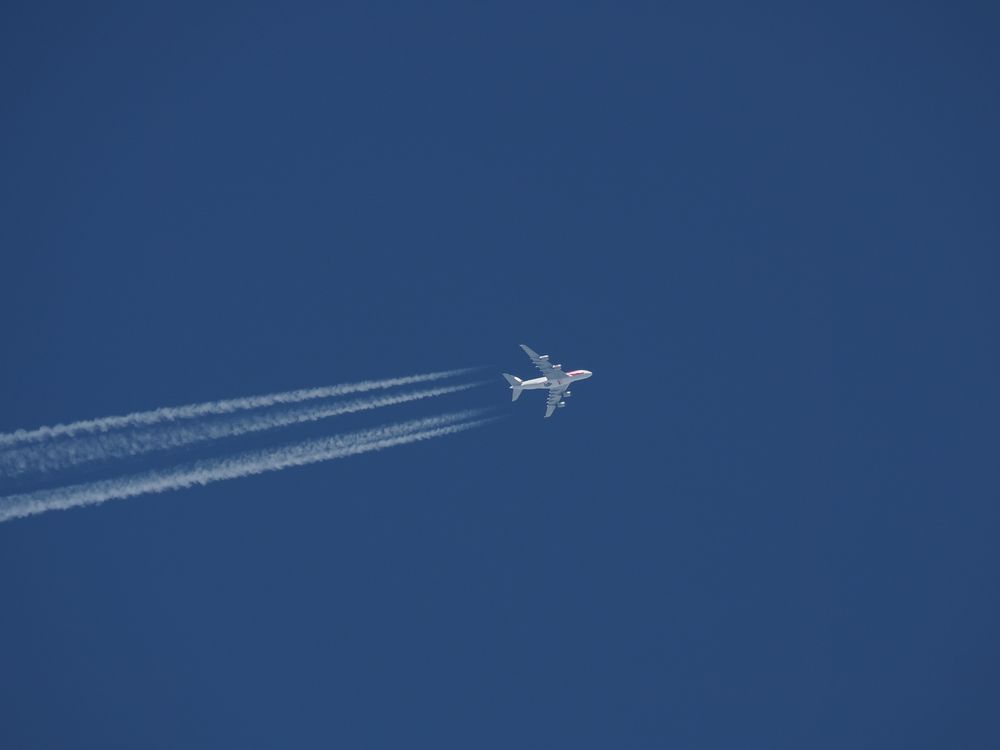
(557, 366)
(567, 394)
(562, 404)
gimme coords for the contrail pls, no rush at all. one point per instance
(243, 465)
(170, 413)
(62, 454)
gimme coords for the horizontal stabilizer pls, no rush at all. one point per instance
(515, 385)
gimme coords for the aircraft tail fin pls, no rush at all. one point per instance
(515, 385)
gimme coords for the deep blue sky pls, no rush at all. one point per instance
(769, 520)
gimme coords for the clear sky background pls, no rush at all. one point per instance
(770, 518)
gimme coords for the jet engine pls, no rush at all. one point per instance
(562, 404)
(567, 394)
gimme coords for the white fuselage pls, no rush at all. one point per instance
(568, 379)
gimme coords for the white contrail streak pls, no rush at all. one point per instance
(243, 465)
(62, 454)
(170, 413)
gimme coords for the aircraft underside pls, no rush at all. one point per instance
(553, 379)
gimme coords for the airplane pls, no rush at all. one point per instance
(553, 379)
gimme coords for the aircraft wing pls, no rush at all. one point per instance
(542, 363)
(555, 396)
